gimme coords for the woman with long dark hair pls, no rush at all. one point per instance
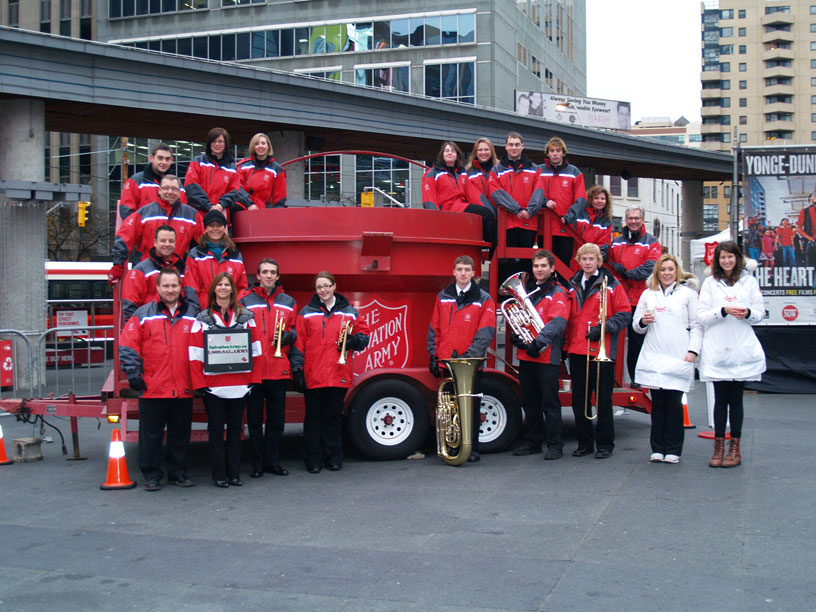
(224, 392)
(730, 302)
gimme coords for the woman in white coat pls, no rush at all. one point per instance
(730, 302)
(667, 314)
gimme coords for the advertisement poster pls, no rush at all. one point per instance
(779, 229)
(583, 112)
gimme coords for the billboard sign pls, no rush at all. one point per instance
(583, 112)
(779, 229)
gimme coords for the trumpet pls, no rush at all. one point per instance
(519, 311)
(345, 332)
(601, 357)
(280, 327)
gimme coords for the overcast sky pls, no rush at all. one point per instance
(646, 52)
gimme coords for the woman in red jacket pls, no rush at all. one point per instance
(214, 253)
(443, 188)
(591, 218)
(261, 176)
(477, 186)
(318, 373)
(224, 392)
(212, 178)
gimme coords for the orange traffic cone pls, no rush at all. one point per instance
(686, 423)
(118, 477)
(4, 460)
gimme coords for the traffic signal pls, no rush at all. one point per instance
(82, 213)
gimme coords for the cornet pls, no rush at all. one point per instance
(345, 332)
(519, 311)
(277, 338)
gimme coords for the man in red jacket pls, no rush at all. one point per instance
(143, 187)
(154, 356)
(462, 325)
(583, 336)
(564, 185)
(540, 360)
(632, 256)
(270, 304)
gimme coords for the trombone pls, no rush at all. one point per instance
(345, 332)
(600, 358)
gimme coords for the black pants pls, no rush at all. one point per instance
(602, 436)
(539, 395)
(667, 422)
(516, 237)
(265, 443)
(728, 407)
(322, 426)
(562, 248)
(154, 415)
(221, 410)
(489, 224)
(633, 351)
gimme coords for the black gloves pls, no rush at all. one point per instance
(300, 381)
(594, 333)
(433, 367)
(535, 348)
(137, 383)
(517, 341)
(355, 343)
(618, 268)
(287, 338)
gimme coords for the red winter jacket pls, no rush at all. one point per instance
(633, 257)
(266, 308)
(585, 311)
(140, 189)
(138, 231)
(318, 331)
(443, 189)
(477, 186)
(591, 224)
(465, 325)
(552, 303)
(139, 285)
(223, 384)
(264, 181)
(563, 185)
(202, 267)
(154, 344)
(210, 181)
(516, 187)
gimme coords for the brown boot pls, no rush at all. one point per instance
(733, 458)
(719, 448)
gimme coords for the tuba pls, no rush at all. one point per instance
(519, 311)
(345, 332)
(454, 411)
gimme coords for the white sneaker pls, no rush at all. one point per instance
(656, 457)
(671, 459)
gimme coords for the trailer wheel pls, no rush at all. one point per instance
(388, 420)
(501, 417)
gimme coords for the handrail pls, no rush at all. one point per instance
(394, 202)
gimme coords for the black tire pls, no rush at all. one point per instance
(388, 420)
(502, 410)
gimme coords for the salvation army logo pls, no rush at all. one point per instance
(709, 252)
(388, 345)
(226, 338)
(8, 364)
(790, 312)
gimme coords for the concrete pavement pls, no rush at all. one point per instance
(510, 533)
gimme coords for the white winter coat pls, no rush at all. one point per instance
(731, 350)
(675, 332)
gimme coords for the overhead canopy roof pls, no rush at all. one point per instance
(98, 88)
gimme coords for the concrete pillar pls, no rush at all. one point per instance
(23, 243)
(691, 218)
(290, 145)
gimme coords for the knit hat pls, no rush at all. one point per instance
(214, 216)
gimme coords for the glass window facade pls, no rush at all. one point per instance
(322, 179)
(386, 174)
(454, 81)
(138, 8)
